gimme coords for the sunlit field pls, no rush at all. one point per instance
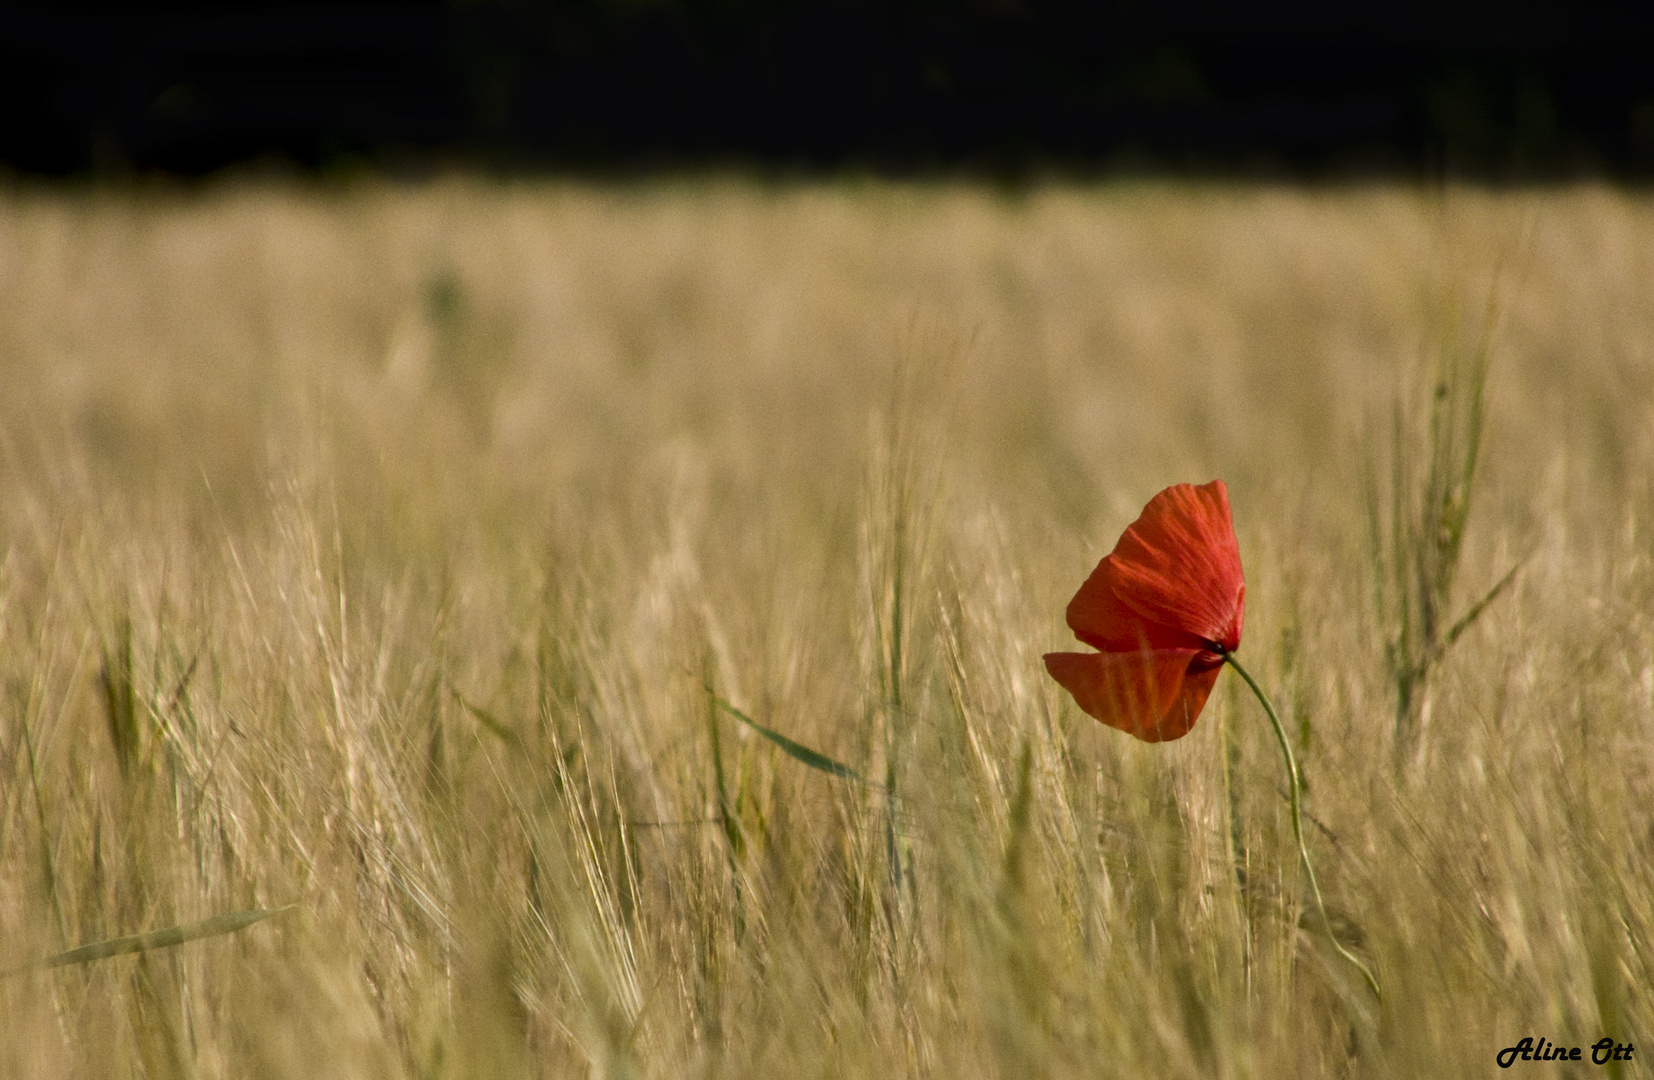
(425, 564)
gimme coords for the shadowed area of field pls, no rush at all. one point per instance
(412, 556)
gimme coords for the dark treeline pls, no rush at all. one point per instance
(1001, 87)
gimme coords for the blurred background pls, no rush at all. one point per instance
(427, 429)
(996, 88)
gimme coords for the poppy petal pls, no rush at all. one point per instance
(1147, 694)
(1102, 619)
(1178, 565)
(1197, 687)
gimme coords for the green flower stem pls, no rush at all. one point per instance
(1294, 784)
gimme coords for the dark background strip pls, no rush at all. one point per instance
(1496, 91)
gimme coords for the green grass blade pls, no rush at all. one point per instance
(1477, 608)
(155, 939)
(489, 723)
(797, 751)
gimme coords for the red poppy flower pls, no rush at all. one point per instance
(1163, 608)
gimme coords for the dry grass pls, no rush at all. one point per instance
(382, 550)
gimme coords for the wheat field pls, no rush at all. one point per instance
(420, 562)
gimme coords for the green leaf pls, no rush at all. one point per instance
(155, 939)
(489, 723)
(796, 751)
(1481, 605)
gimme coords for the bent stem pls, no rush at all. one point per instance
(1294, 782)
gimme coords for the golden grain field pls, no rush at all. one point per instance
(399, 556)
